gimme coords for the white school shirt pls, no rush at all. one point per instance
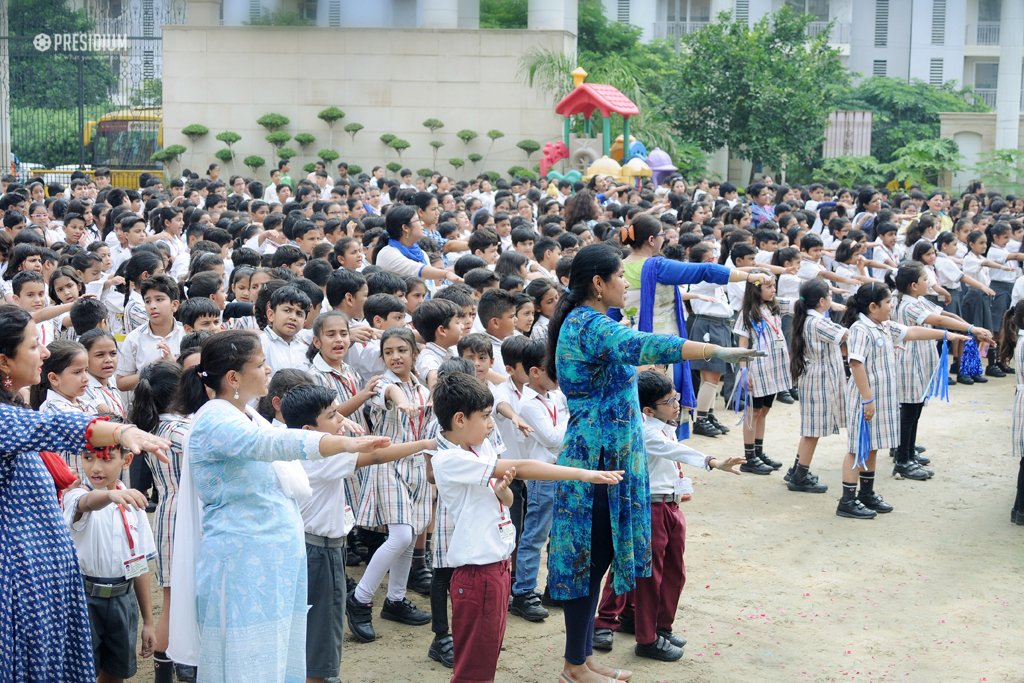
(323, 514)
(663, 452)
(849, 271)
(513, 439)
(719, 309)
(101, 541)
(139, 348)
(948, 274)
(882, 252)
(430, 358)
(365, 360)
(1018, 292)
(961, 250)
(735, 290)
(540, 328)
(548, 414)
(787, 292)
(464, 484)
(280, 353)
(974, 268)
(763, 258)
(809, 269)
(498, 365)
(999, 254)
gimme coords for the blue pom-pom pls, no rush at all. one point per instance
(970, 359)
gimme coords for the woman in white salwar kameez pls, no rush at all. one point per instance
(239, 537)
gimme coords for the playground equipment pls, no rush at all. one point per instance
(661, 164)
(585, 99)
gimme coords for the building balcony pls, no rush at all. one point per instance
(984, 33)
(840, 31)
(674, 30)
(986, 95)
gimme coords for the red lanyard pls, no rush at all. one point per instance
(490, 482)
(768, 320)
(418, 429)
(552, 411)
(348, 384)
(115, 401)
(127, 531)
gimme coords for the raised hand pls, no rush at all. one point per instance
(136, 441)
(129, 497)
(729, 464)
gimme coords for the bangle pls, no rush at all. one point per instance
(702, 353)
(707, 462)
(969, 328)
(867, 402)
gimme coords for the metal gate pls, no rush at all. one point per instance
(87, 99)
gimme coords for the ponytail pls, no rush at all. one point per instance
(219, 354)
(158, 383)
(861, 300)
(811, 292)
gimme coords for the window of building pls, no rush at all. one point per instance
(986, 75)
(935, 72)
(690, 11)
(989, 10)
(819, 9)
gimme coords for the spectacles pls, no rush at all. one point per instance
(668, 401)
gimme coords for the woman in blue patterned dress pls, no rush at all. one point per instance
(594, 359)
(44, 625)
(238, 565)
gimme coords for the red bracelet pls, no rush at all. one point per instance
(101, 451)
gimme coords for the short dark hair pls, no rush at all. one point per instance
(382, 305)
(477, 343)
(383, 282)
(433, 314)
(512, 349)
(460, 294)
(653, 386)
(495, 303)
(290, 294)
(534, 354)
(86, 314)
(481, 278)
(543, 246)
(302, 405)
(195, 308)
(343, 281)
(483, 239)
(466, 263)
(318, 270)
(286, 255)
(161, 283)
(458, 393)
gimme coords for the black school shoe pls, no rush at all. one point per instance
(979, 379)
(442, 651)
(703, 426)
(910, 470)
(420, 578)
(678, 641)
(756, 466)
(784, 397)
(1017, 517)
(548, 601)
(603, 639)
(528, 607)
(660, 649)
(995, 371)
(809, 484)
(360, 619)
(405, 612)
(964, 379)
(774, 464)
(854, 509)
(875, 502)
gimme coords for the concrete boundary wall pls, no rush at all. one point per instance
(389, 80)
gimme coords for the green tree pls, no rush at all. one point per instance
(1002, 170)
(851, 171)
(50, 79)
(920, 162)
(503, 13)
(903, 111)
(765, 91)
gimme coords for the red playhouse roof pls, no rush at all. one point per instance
(587, 97)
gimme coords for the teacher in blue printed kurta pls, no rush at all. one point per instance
(594, 360)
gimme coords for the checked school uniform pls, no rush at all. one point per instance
(769, 375)
(55, 402)
(916, 361)
(346, 385)
(821, 384)
(873, 345)
(166, 476)
(1018, 401)
(398, 492)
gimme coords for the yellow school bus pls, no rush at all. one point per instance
(123, 141)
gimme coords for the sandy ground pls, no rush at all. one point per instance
(780, 589)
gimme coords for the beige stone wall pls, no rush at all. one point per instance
(390, 80)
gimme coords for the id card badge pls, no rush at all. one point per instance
(507, 531)
(684, 488)
(350, 517)
(136, 566)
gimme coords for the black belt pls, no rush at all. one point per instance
(324, 541)
(713, 317)
(106, 588)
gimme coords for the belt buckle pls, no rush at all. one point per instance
(102, 590)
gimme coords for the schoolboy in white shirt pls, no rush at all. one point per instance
(483, 536)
